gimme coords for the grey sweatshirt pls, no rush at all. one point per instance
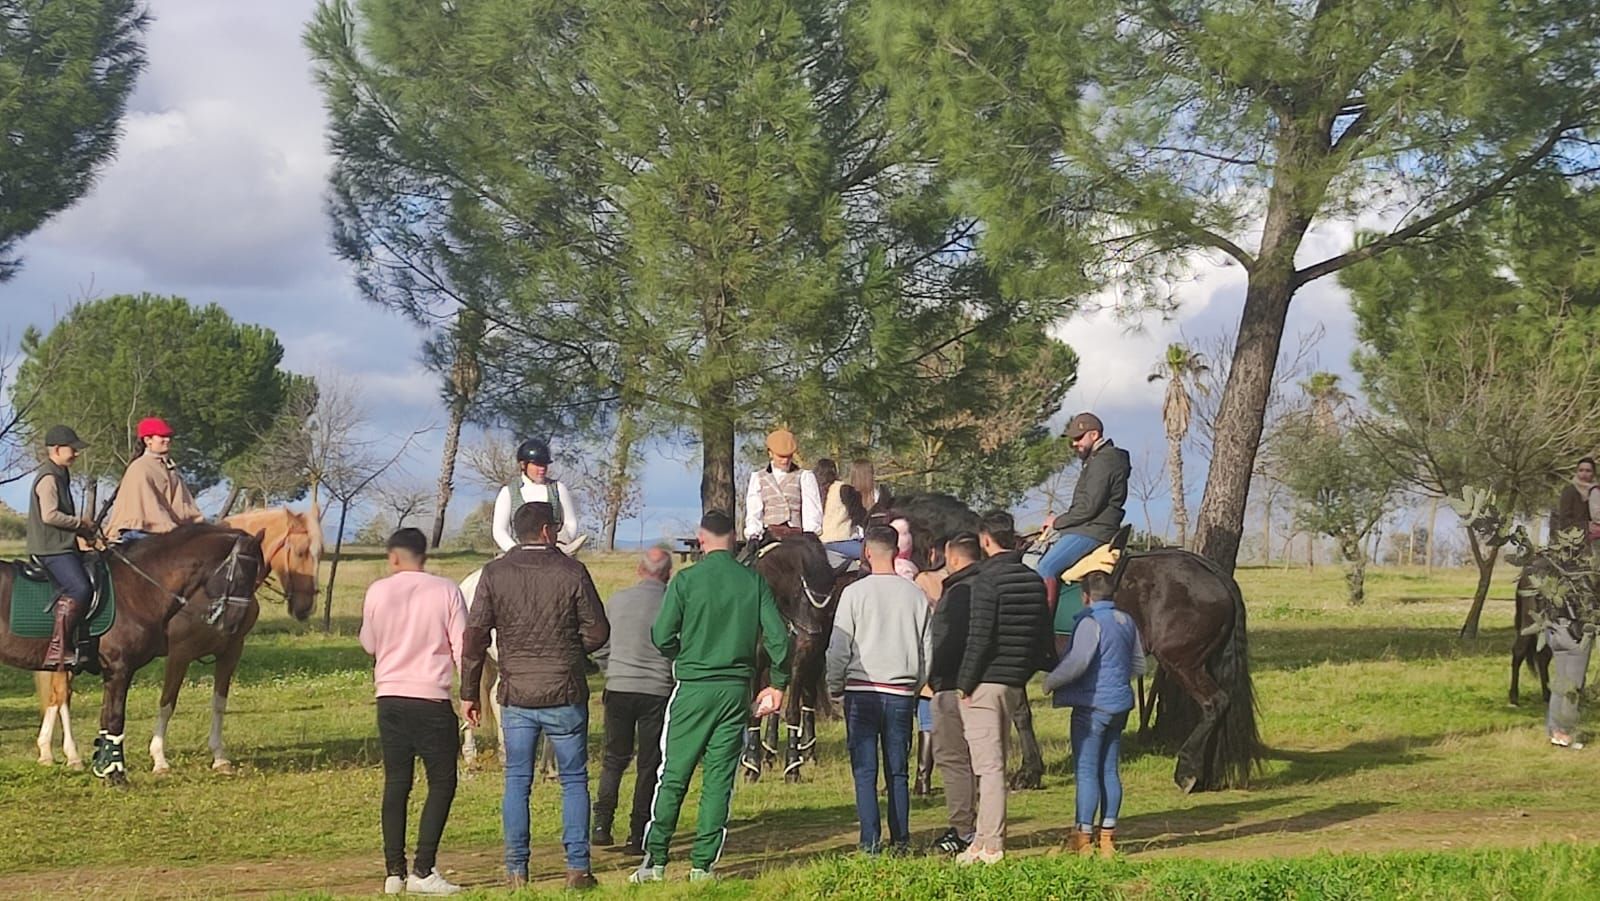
(880, 637)
(630, 659)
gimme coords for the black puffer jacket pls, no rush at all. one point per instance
(1008, 636)
(948, 629)
(546, 617)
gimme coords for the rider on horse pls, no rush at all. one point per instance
(54, 527)
(533, 461)
(151, 499)
(1097, 502)
(782, 499)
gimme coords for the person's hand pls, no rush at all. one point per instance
(469, 712)
(964, 697)
(87, 527)
(769, 701)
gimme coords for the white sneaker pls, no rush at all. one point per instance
(699, 875)
(394, 885)
(647, 874)
(431, 884)
(975, 854)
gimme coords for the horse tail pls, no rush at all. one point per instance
(1237, 751)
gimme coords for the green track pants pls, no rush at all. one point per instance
(705, 724)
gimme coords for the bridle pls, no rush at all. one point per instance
(219, 604)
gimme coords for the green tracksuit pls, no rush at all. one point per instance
(711, 619)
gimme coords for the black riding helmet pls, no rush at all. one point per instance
(534, 451)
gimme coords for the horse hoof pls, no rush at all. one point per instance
(1186, 784)
(47, 761)
(75, 765)
(117, 779)
(224, 768)
(160, 770)
(1027, 782)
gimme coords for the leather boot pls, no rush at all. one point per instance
(1052, 594)
(1107, 844)
(59, 655)
(1080, 843)
(924, 783)
(581, 880)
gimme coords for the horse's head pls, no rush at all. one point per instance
(292, 550)
(231, 587)
(800, 577)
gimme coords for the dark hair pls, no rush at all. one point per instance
(884, 537)
(999, 525)
(531, 519)
(851, 498)
(827, 472)
(1588, 460)
(1097, 585)
(967, 543)
(717, 523)
(410, 541)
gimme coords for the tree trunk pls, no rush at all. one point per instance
(1266, 530)
(333, 568)
(716, 466)
(447, 468)
(227, 503)
(1485, 561)
(620, 478)
(1180, 511)
(1433, 533)
(91, 496)
(1355, 576)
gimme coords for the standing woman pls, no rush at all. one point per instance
(151, 497)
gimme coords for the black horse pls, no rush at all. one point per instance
(1192, 617)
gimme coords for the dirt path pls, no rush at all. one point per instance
(1340, 828)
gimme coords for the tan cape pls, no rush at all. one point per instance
(151, 498)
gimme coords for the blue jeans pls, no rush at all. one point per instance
(1067, 550)
(874, 722)
(850, 548)
(1096, 747)
(70, 576)
(127, 536)
(568, 730)
(925, 714)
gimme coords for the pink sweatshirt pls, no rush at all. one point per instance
(412, 622)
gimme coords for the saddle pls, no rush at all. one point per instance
(1110, 558)
(34, 592)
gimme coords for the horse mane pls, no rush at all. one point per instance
(164, 542)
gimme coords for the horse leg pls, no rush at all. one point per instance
(1516, 665)
(1030, 774)
(109, 761)
(1193, 770)
(47, 718)
(227, 665)
(61, 698)
(750, 760)
(769, 737)
(1541, 662)
(172, 681)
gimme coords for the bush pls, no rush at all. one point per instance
(13, 525)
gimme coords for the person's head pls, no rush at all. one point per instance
(1586, 469)
(62, 444)
(716, 531)
(880, 544)
(155, 436)
(782, 447)
(533, 459)
(864, 478)
(962, 550)
(1096, 587)
(1085, 431)
(827, 472)
(656, 564)
(534, 523)
(408, 550)
(997, 532)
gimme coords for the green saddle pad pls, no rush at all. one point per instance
(31, 612)
(1068, 604)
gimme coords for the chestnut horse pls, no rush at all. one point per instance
(292, 548)
(207, 569)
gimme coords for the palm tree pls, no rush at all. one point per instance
(1182, 369)
(1325, 397)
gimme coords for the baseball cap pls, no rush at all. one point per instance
(1083, 424)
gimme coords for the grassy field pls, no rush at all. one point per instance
(1396, 770)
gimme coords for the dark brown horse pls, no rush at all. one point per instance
(210, 568)
(1525, 648)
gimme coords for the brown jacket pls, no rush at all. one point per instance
(546, 617)
(151, 498)
(1571, 512)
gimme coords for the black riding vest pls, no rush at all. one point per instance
(43, 538)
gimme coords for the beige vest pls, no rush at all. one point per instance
(780, 502)
(836, 524)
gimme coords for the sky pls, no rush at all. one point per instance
(217, 195)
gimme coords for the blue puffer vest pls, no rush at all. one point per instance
(1104, 685)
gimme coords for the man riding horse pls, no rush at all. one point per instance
(1098, 501)
(782, 499)
(54, 528)
(536, 486)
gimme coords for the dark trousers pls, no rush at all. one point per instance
(629, 715)
(877, 724)
(409, 728)
(70, 575)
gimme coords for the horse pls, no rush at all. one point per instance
(1526, 647)
(213, 569)
(292, 549)
(1192, 617)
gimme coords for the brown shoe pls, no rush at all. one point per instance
(1108, 846)
(1080, 843)
(516, 882)
(581, 880)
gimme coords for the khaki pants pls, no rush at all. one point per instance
(986, 721)
(954, 761)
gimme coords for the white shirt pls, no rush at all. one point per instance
(810, 502)
(531, 492)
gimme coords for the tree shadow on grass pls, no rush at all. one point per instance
(1306, 767)
(1201, 818)
(1182, 829)
(1293, 649)
(313, 755)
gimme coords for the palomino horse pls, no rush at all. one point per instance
(212, 569)
(292, 548)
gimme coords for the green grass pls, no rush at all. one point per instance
(1386, 732)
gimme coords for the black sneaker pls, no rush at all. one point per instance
(601, 837)
(634, 847)
(951, 842)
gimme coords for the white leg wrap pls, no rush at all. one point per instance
(158, 739)
(47, 730)
(68, 745)
(219, 709)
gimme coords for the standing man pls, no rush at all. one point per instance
(714, 620)
(782, 499)
(151, 498)
(947, 632)
(412, 623)
(1097, 502)
(53, 530)
(1008, 638)
(638, 682)
(533, 461)
(546, 616)
(877, 660)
